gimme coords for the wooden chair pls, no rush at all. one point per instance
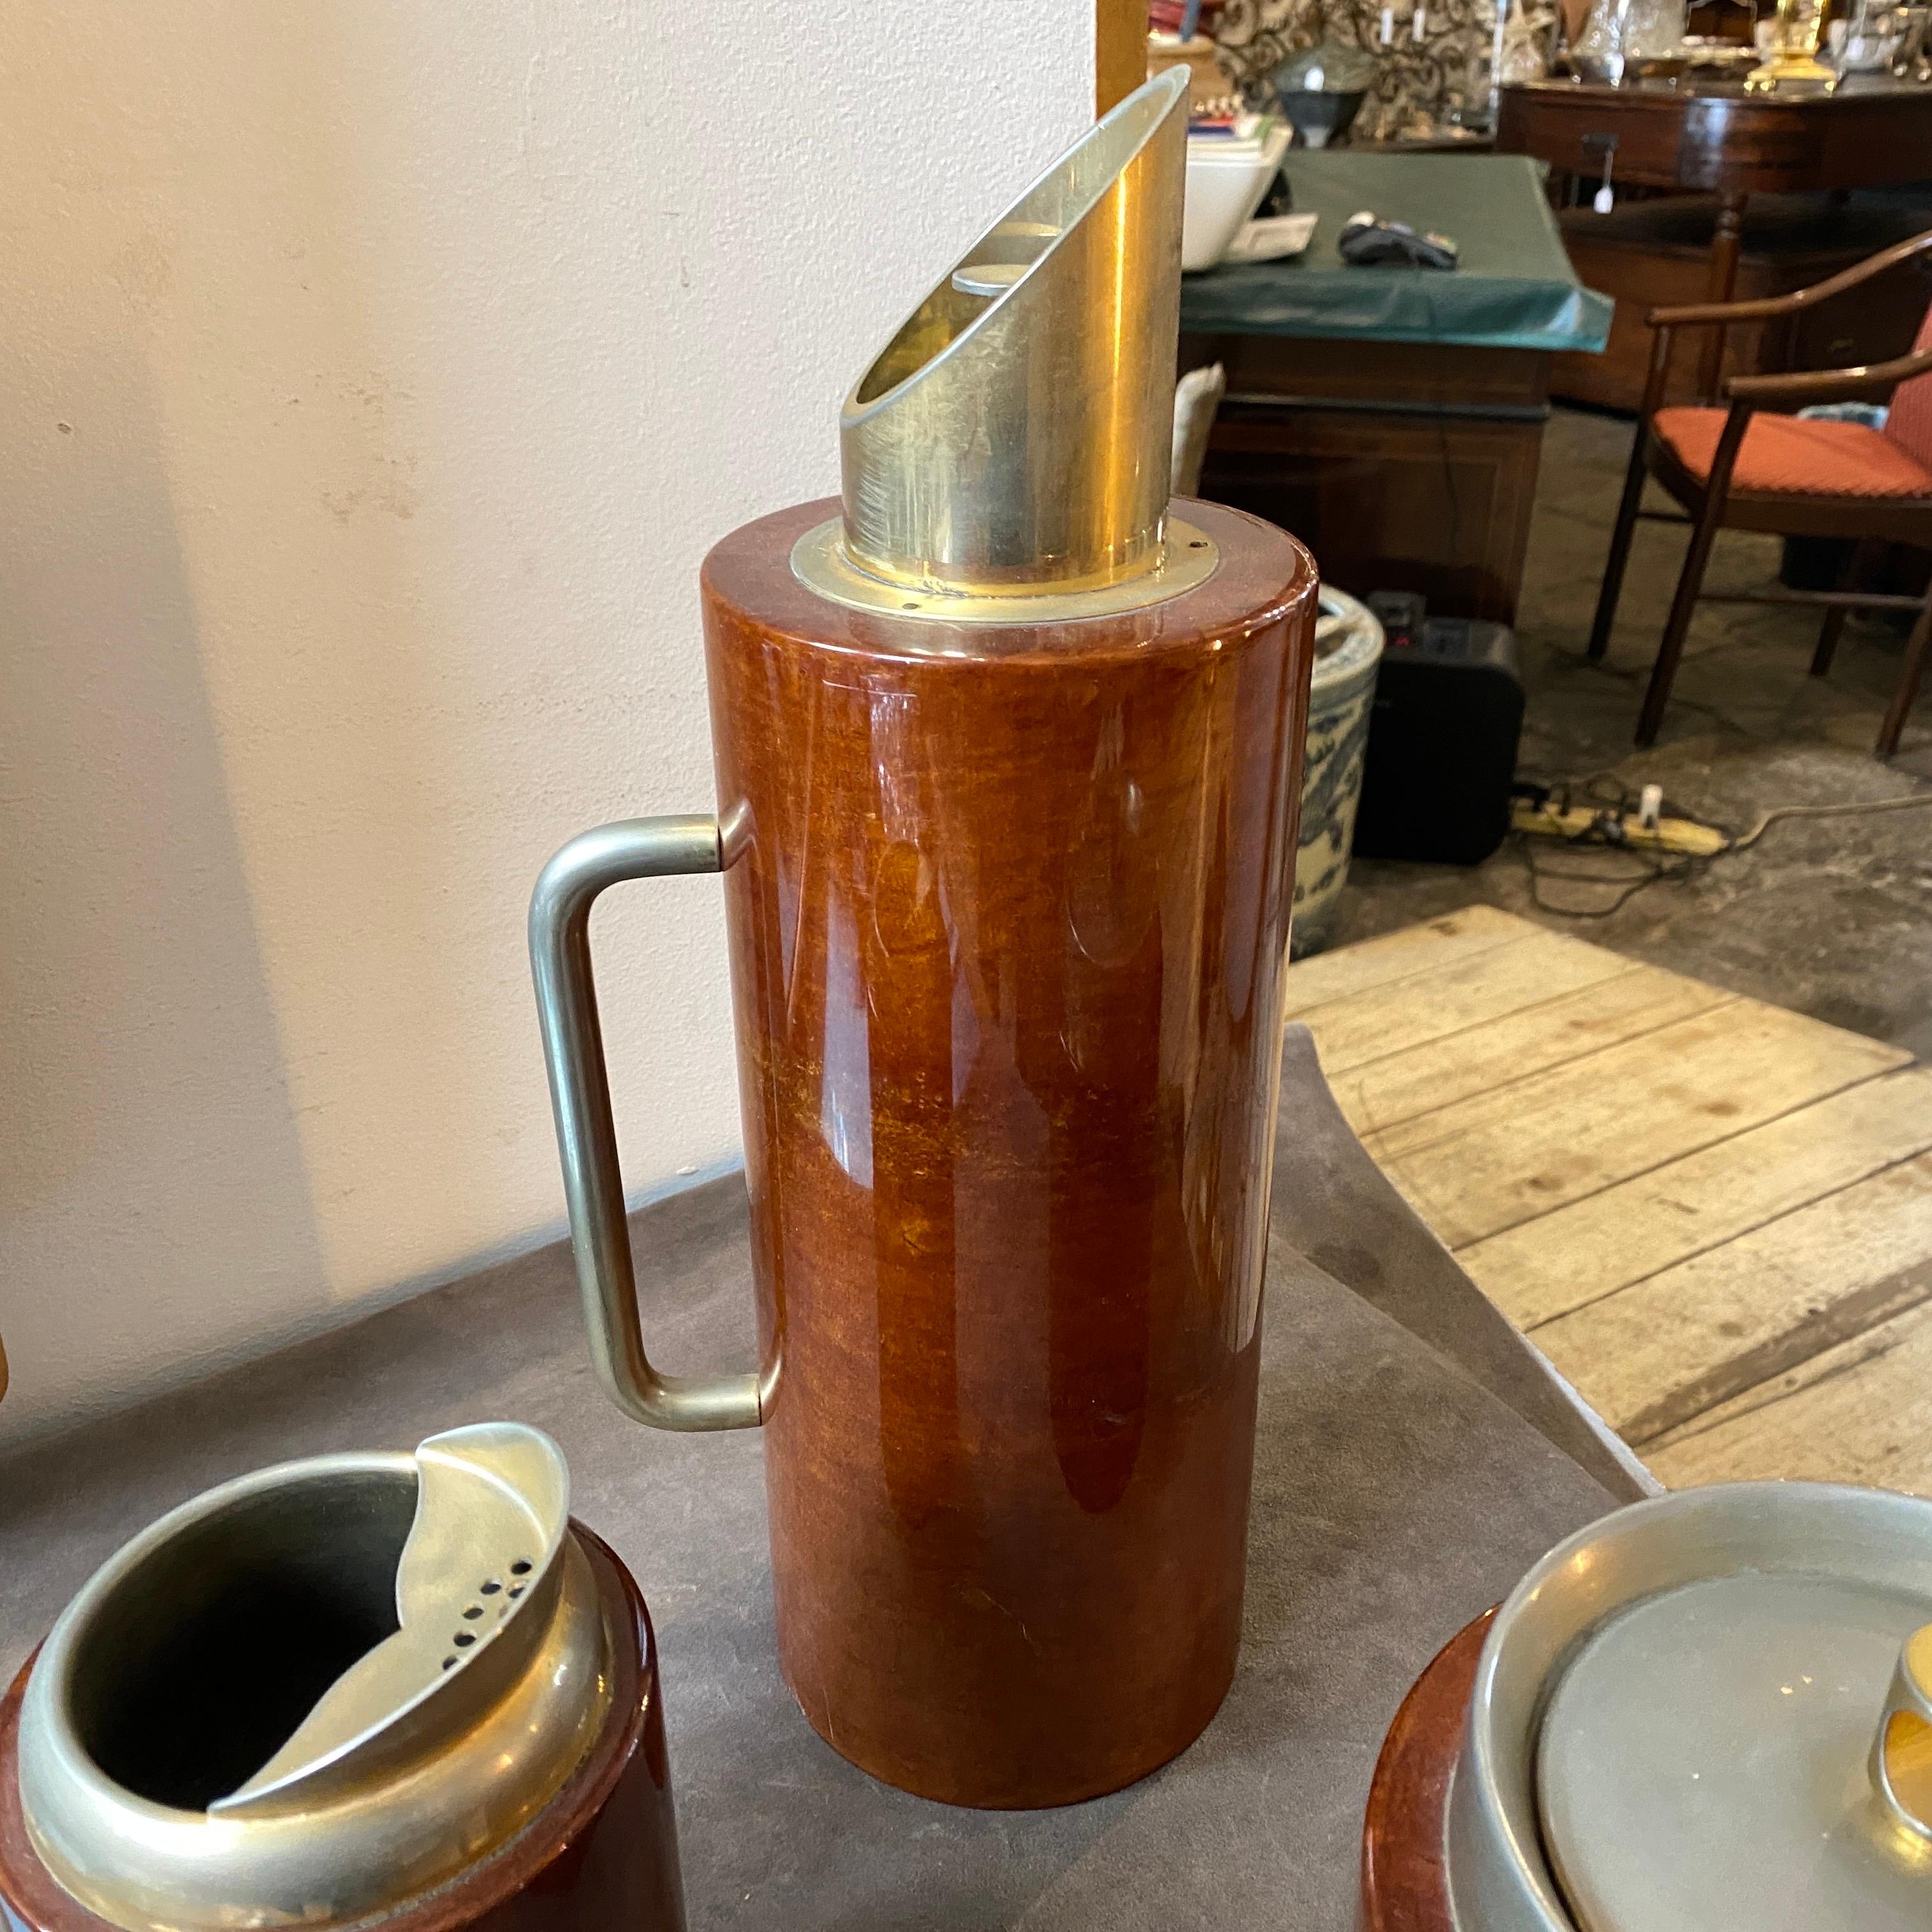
(1751, 467)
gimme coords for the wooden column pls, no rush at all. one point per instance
(1119, 50)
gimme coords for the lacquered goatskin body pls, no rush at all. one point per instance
(1009, 915)
(1405, 1882)
(601, 1854)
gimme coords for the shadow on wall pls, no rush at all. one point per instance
(216, 794)
(411, 356)
(153, 1184)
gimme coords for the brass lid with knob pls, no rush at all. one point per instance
(1712, 1709)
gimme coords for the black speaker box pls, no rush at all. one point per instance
(1442, 739)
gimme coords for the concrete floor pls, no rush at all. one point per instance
(1831, 917)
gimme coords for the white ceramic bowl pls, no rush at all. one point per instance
(1225, 182)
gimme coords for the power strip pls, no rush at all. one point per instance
(1626, 831)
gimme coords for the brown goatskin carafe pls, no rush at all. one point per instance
(1008, 753)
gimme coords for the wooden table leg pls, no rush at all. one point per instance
(1723, 277)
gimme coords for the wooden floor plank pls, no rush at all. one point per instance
(1472, 991)
(1715, 1216)
(1651, 1357)
(1387, 1092)
(1525, 1148)
(1859, 1413)
(1415, 949)
(1546, 1267)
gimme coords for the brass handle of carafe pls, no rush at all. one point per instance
(580, 1092)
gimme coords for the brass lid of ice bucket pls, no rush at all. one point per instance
(1708, 1711)
(1006, 456)
(319, 1690)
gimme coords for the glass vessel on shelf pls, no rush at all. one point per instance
(1598, 52)
(1908, 59)
(1873, 37)
(1322, 87)
(1623, 39)
(1523, 32)
(1654, 37)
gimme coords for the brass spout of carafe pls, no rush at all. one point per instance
(1014, 438)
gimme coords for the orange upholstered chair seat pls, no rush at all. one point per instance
(1797, 455)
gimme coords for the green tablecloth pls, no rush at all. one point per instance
(1513, 288)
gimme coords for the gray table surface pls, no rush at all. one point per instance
(1397, 1495)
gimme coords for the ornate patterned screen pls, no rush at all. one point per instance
(1425, 84)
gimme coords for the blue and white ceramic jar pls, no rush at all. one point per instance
(1341, 697)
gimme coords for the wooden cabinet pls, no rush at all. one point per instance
(1401, 465)
(1715, 138)
(1656, 254)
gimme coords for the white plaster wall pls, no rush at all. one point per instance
(376, 375)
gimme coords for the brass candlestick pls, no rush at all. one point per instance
(1793, 59)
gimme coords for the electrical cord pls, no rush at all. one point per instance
(1605, 834)
(1783, 811)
